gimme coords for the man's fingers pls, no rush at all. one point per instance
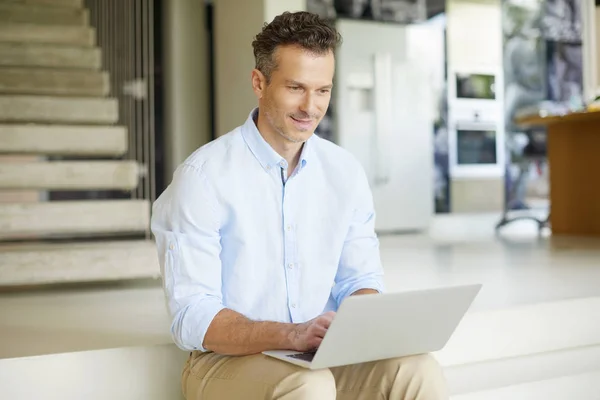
(322, 323)
(318, 327)
(318, 330)
(326, 319)
(316, 342)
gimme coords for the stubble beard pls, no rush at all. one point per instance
(280, 130)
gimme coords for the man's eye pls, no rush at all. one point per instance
(325, 91)
(294, 88)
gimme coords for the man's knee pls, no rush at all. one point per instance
(423, 371)
(317, 384)
(422, 365)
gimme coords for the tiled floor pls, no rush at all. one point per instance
(517, 267)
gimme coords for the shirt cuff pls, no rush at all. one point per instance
(364, 284)
(205, 323)
(193, 331)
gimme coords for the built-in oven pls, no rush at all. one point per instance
(476, 149)
(475, 123)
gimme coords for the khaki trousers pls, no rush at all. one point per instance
(209, 376)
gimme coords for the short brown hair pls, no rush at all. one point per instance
(302, 28)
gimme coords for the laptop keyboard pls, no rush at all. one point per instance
(303, 356)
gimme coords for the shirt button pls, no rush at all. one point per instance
(289, 228)
(282, 164)
(293, 305)
(290, 265)
(171, 246)
(268, 167)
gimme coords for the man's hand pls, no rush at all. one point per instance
(309, 335)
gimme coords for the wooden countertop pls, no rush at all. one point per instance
(538, 120)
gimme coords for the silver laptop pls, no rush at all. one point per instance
(380, 326)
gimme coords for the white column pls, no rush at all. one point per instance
(591, 45)
(186, 80)
(236, 23)
(597, 53)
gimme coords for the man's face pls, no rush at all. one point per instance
(298, 95)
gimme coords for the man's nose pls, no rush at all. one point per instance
(308, 105)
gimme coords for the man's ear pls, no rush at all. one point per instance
(259, 83)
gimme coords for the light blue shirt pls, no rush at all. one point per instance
(231, 232)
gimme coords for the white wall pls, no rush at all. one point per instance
(598, 49)
(236, 23)
(186, 80)
(475, 43)
(591, 48)
(474, 33)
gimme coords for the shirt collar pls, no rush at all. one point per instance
(263, 151)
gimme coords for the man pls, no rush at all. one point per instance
(264, 232)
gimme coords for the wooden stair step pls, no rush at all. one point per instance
(56, 109)
(54, 82)
(49, 56)
(38, 264)
(53, 3)
(73, 218)
(41, 14)
(68, 140)
(19, 195)
(70, 175)
(57, 34)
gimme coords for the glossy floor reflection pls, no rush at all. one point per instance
(516, 266)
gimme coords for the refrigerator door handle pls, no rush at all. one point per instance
(383, 110)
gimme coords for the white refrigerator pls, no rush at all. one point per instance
(384, 112)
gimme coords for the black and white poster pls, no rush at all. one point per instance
(561, 21)
(565, 73)
(543, 64)
(562, 31)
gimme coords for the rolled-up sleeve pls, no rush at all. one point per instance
(185, 224)
(360, 262)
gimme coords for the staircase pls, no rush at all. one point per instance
(70, 203)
